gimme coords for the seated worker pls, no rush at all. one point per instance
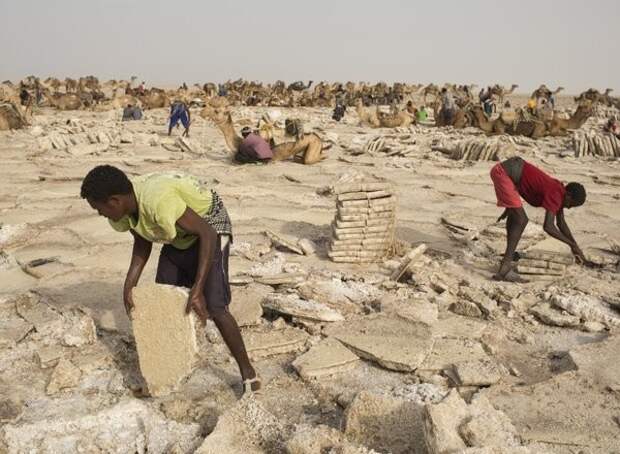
(180, 211)
(421, 115)
(253, 148)
(132, 113)
(531, 106)
(515, 178)
(24, 97)
(179, 112)
(339, 111)
(488, 105)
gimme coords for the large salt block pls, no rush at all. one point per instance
(165, 336)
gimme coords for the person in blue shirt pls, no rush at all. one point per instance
(179, 112)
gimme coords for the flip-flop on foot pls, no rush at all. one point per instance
(510, 276)
(252, 385)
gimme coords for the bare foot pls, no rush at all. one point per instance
(510, 276)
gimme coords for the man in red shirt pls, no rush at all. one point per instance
(515, 178)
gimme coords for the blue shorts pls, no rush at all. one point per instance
(182, 116)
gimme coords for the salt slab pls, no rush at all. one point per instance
(329, 357)
(165, 336)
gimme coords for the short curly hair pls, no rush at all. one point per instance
(577, 193)
(104, 181)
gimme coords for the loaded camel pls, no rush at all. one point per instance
(309, 146)
(561, 126)
(528, 128)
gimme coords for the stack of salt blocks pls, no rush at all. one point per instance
(363, 229)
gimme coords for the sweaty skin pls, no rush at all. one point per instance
(554, 225)
(118, 206)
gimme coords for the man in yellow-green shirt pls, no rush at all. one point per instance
(180, 211)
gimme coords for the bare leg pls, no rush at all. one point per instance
(310, 145)
(231, 334)
(314, 151)
(515, 225)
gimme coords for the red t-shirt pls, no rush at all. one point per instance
(540, 190)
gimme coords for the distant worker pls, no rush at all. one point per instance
(132, 113)
(486, 99)
(421, 115)
(24, 96)
(515, 178)
(448, 106)
(339, 111)
(142, 88)
(179, 112)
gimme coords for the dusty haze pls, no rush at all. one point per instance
(574, 45)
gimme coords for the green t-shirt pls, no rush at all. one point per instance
(421, 115)
(162, 199)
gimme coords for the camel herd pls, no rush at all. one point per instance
(89, 93)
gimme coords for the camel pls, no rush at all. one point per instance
(367, 116)
(461, 118)
(541, 92)
(66, 101)
(11, 117)
(210, 89)
(501, 92)
(299, 86)
(70, 85)
(544, 92)
(593, 95)
(309, 146)
(120, 102)
(430, 89)
(560, 126)
(374, 118)
(395, 120)
(154, 99)
(528, 128)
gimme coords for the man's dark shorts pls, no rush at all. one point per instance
(178, 267)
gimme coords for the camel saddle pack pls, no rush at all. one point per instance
(294, 128)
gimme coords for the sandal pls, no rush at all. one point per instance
(247, 385)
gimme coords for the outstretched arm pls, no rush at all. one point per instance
(139, 256)
(563, 226)
(207, 236)
(562, 233)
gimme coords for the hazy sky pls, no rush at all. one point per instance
(573, 43)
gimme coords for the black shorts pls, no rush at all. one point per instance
(178, 267)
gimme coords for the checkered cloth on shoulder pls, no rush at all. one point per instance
(218, 216)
